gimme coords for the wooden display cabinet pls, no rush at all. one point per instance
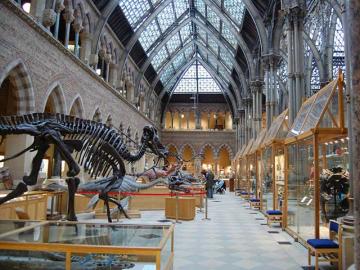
(273, 162)
(186, 208)
(316, 141)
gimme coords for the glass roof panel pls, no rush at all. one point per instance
(189, 52)
(200, 6)
(174, 43)
(235, 9)
(213, 18)
(150, 35)
(159, 58)
(188, 83)
(180, 7)
(166, 18)
(201, 33)
(226, 59)
(165, 76)
(212, 61)
(179, 61)
(134, 10)
(213, 45)
(185, 32)
(228, 36)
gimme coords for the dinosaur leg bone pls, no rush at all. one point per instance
(105, 197)
(119, 206)
(65, 153)
(73, 184)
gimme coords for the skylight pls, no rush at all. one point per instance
(188, 83)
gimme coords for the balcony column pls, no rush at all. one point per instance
(208, 120)
(107, 59)
(59, 7)
(172, 120)
(69, 18)
(77, 28)
(187, 120)
(37, 9)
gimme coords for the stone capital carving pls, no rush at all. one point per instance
(69, 15)
(107, 58)
(49, 17)
(59, 6)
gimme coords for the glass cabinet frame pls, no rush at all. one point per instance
(320, 122)
(33, 236)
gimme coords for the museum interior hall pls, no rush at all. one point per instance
(180, 134)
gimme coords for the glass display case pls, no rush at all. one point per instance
(255, 170)
(242, 171)
(75, 245)
(317, 182)
(273, 163)
(247, 167)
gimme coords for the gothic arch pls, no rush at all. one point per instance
(182, 148)
(202, 149)
(55, 98)
(228, 148)
(17, 72)
(96, 116)
(172, 145)
(77, 107)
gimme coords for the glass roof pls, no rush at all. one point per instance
(137, 11)
(188, 82)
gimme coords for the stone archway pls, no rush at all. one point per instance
(77, 108)
(16, 98)
(55, 102)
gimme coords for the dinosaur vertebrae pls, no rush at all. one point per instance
(93, 141)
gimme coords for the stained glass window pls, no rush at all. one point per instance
(188, 83)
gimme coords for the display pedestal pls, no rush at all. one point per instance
(186, 208)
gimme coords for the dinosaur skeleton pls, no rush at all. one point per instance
(99, 149)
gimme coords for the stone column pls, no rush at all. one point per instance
(77, 28)
(353, 40)
(208, 120)
(197, 119)
(187, 120)
(22, 165)
(107, 60)
(256, 89)
(172, 119)
(295, 14)
(37, 9)
(241, 128)
(113, 68)
(59, 7)
(216, 165)
(180, 120)
(68, 17)
(197, 165)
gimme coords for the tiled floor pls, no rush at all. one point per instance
(233, 239)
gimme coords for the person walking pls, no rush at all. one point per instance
(209, 176)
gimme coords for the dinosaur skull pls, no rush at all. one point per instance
(151, 139)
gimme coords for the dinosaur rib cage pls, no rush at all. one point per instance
(99, 148)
